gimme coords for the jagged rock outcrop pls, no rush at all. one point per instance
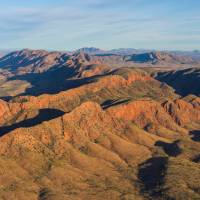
(182, 112)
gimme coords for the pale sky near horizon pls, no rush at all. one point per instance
(106, 24)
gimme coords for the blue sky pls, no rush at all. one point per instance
(107, 24)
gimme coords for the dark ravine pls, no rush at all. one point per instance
(185, 81)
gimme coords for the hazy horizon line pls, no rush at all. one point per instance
(101, 49)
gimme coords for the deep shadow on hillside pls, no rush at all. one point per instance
(184, 82)
(52, 82)
(109, 103)
(171, 149)
(44, 115)
(151, 174)
(195, 135)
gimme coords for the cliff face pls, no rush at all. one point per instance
(183, 113)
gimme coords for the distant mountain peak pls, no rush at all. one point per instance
(90, 50)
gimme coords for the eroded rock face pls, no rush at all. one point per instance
(8, 111)
(196, 103)
(183, 112)
(144, 112)
(3, 108)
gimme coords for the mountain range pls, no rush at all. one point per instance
(33, 72)
(195, 54)
(94, 124)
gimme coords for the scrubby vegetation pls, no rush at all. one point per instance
(120, 134)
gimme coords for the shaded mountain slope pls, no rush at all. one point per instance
(120, 85)
(37, 72)
(27, 61)
(156, 57)
(185, 81)
(194, 55)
